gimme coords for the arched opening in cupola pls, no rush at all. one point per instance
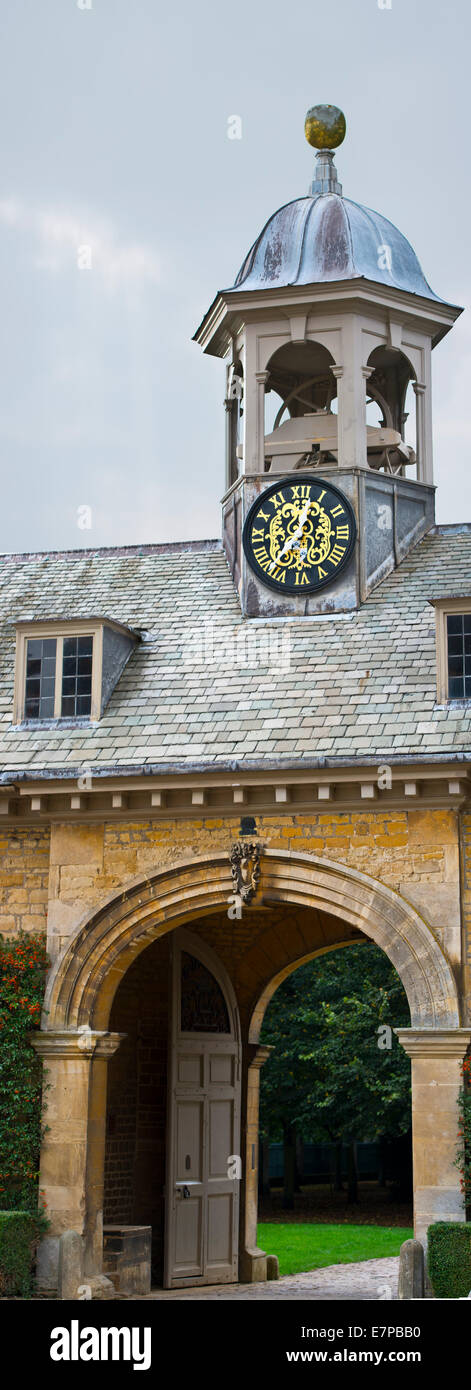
(390, 406)
(300, 387)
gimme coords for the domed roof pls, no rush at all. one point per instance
(327, 237)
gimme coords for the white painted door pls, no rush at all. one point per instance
(202, 1188)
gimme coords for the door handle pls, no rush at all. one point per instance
(185, 1191)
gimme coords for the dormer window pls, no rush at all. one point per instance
(453, 628)
(58, 677)
(458, 626)
(68, 670)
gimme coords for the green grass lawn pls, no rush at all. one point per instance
(301, 1247)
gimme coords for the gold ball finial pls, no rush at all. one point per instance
(325, 127)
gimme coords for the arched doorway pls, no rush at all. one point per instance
(304, 904)
(173, 1111)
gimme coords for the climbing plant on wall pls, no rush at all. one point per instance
(463, 1158)
(23, 966)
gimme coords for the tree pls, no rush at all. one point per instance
(337, 1072)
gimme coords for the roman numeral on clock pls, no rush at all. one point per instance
(336, 554)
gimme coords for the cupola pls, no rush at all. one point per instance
(327, 332)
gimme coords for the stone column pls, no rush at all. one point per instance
(437, 1055)
(423, 445)
(351, 388)
(72, 1150)
(261, 379)
(253, 1261)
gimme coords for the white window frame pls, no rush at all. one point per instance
(445, 607)
(58, 630)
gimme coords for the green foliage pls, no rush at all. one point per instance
(463, 1158)
(449, 1258)
(19, 1234)
(304, 1246)
(23, 965)
(328, 1075)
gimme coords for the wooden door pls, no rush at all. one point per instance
(202, 1193)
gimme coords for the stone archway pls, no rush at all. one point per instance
(76, 1042)
(83, 982)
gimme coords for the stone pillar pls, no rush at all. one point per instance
(261, 379)
(253, 1261)
(72, 1151)
(424, 462)
(351, 388)
(437, 1055)
(252, 393)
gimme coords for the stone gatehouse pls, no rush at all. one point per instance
(221, 759)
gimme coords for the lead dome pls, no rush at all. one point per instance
(324, 237)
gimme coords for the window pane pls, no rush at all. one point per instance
(454, 623)
(456, 688)
(77, 676)
(46, 709)
(84, 704)
(467, 622)
(202, 1003)
(40, 677)
(455, 666)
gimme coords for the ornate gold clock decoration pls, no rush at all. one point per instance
(299, 534)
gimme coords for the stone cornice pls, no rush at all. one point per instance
(232, 307)
(180, 794)
(83, 1042)
(261, 1053)
(434, 1042)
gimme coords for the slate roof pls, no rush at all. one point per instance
(206, 689)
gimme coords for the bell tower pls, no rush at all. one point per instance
(327, 333)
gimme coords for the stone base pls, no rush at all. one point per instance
(252, 1267)
(127, 1258)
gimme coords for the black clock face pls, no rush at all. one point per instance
(299, 534)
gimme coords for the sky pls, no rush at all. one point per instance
(125, 206)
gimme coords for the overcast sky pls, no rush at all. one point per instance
(114, 136)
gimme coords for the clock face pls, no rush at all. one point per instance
(299, 534)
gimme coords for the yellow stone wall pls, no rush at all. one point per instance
(415, 852)
(24, 874)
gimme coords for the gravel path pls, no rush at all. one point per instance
(367, 1279)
